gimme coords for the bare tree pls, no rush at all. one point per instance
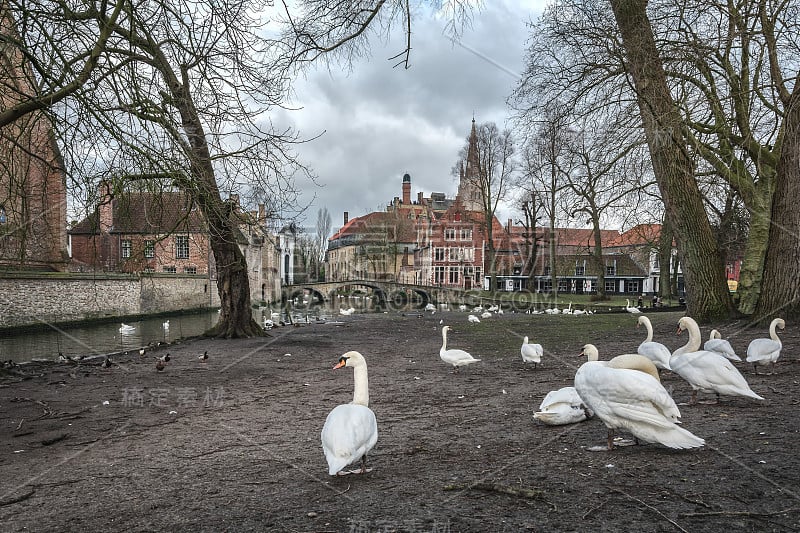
(324, 225)
(485, 168)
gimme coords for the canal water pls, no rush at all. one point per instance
(110, 337)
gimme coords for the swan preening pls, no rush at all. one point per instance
(655, 351)
(766, 351)
(707, 371)
(562, 406)
(350, 430)
(630, 361)
(716, 343)
(634, 401)
(531, 353)
(473, 319)
(454, 357)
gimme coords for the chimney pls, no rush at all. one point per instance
(346, 218)
(262, 214)
(406, 189)
(105, 207)
(420, 198)
(510, 225)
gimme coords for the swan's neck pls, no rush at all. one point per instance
(444, 339)
(361, 389)
(772, 334)
(693, 344)
(592, 355)
(649, 328)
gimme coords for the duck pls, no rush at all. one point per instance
(203, 358)
(160, 365)
(655, 351)
(716, 343)
(531, 353)
(561, 407)
(635, 401)
(473, 319)
(633, 310)
(350, 430)
(707, 371)
(766, 351)
(455, 357)
(630, 361)
(125, 328)
(164, 358)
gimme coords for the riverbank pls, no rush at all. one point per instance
(232, 443)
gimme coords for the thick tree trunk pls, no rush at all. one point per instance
(707, 293)
(597, 257)
(752, 271)
(780, 290)
(233, 285)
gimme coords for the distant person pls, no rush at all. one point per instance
(655, 301)
(640, 303)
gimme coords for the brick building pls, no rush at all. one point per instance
(32, 190)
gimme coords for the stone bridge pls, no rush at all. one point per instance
(383, 293)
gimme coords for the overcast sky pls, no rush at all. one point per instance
(381, 122)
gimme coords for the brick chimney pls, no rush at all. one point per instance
(262, 214)
(105, 207)
(346, 218)
(406, 189)
(510, 225)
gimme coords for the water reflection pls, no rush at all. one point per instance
(102, 338)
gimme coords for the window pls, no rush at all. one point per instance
(453, 275)
(580, 269)
(438, 254)
(466, 234)
(190, 270)
(632, 286)
(467, 254)
(438, 274)
(125, 248)
(611, 270)
(547, 270)
(450, 234)
(148, 270)
(170, 270)
(563, 285)
(610, 286)
(149, 249)
(454, 254)
(181, 247)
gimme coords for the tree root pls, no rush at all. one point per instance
(18, 499)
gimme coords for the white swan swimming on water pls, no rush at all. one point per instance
(350, 430)
(126, 329)
(455, 357)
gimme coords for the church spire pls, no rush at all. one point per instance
(469, 183)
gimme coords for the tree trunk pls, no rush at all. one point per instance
(780, 290)
(597, 256)
(752, 271)
(233, 285)
(707, 297)
(665, 286)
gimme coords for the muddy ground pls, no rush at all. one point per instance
(233, 444)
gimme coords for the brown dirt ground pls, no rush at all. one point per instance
(233, 444)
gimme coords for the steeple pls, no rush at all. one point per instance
(469, 179)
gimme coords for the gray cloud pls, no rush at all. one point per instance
(381, 122)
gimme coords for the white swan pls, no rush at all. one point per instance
(568, 310)
(634, 401)
(486, 314)
(454, 357)
(562, 406)
(628, 308)
(655, 351)
(350, 431)
(707, 371)
(630, 361)
(531, 353)
(473, 319)
(166, 324)
(766, 351)
(430, 307)
(716, 343)
(347, 312)
(127, 329)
